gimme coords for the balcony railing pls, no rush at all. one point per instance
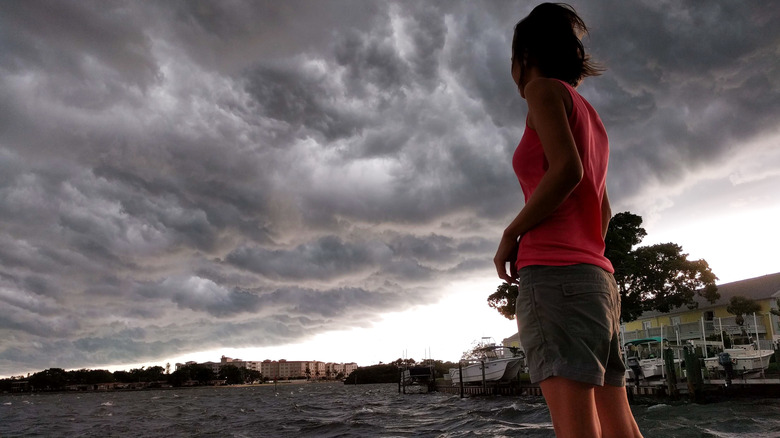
(693, 330)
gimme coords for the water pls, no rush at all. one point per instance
(336, 410)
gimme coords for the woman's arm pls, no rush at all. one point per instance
(547, 115)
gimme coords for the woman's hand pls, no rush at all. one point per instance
(507, 253)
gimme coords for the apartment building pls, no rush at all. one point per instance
(284, 369)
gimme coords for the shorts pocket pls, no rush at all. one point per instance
(585, 287)
(588, 307)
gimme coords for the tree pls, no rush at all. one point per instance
(231, 374)
(382, 373)
(51, 379)
(656, 277)
(504, 300)
(739, 306)
(408, 362)
(250, 376)
(153, 374)
(202, 374)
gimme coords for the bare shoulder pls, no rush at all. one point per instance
(545, 89)
(547, 96)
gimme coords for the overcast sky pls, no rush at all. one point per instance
(183, 176)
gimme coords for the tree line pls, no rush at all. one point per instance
(389, 372)
(57, 379)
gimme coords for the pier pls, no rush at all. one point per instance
(700, 384)
(492, 388)
(711, 389)
(694, 379)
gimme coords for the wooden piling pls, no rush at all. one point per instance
(671, 374)
(460, 377)
(484, 383)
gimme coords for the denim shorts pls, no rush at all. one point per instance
(569, 319)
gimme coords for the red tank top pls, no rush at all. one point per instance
(572, 233)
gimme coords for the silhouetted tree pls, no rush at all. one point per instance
(202, 374)
(52, 379)
(231, 374)
(382, 373)
(89, 377)
(250, 376)
(504, 300)
(656, 277)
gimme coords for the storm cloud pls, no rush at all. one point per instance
(184, 175)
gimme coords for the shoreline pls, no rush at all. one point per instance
(169, 388)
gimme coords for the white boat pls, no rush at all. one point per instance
(489, 362)
(648, 353)
(744, 359)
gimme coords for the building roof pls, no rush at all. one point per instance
(758, 288)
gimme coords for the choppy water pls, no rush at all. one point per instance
(335, 410)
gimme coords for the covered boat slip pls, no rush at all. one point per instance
(417, 379)
(749, 355)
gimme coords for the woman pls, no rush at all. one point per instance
(568, 305)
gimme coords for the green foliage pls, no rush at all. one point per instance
(403, 362)
(382, 373)
(250, 376)
(740, 306)
(56, 379)
(657, 277)
(198, 373)
(231, 374)
(504, 300)
(234, 375)
(135, 375)
(53, 379)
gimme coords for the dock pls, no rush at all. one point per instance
(697, 383)
(711, 389)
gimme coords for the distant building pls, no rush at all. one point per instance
(512, 341)
(185, 364)
(283, 369)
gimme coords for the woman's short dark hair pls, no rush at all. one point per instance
(548, 38)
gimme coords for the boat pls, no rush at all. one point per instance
(488, 362)
(744, 359)
(647, 354)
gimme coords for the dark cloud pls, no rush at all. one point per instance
(327, 258)
(185, 175)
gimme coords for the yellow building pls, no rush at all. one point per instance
(709, 320)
